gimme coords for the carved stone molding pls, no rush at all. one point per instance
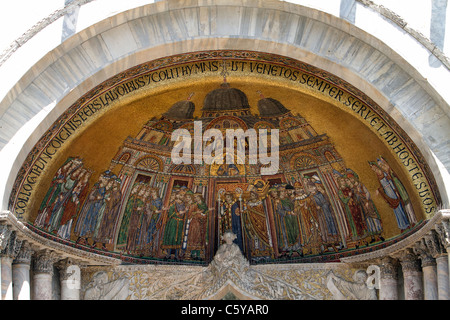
(435, 234)
(10, 222)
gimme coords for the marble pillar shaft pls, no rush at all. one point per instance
(443, 277)
(430, 282)
(388, 289)
(6, 277)
(412, 276)
(70, 276)
(70, 290)
(42, 286)
(388, 279)
(21, 281)
(413, 283)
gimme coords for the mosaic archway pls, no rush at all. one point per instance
(349, 179)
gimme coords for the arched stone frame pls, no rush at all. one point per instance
(395, 85)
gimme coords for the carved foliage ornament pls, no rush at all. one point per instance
(12, 247)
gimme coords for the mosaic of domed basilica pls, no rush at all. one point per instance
(148, 208)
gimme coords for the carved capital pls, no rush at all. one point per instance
(434, 244)
(5, 233)
(388, 268)
(43, 261)
(409, 261)
(24, 255)
(12, 247)
(68, 268)
(443, 233)
(422, 250)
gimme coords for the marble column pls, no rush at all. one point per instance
(21, 273)
(388, 279)
(70, 277)
(430, 278)
(42, 275)
(5, 263)
(425, 250)
(443, 277)
(412, 275)
(443, 259)
(7, 255)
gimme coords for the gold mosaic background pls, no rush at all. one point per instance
(98, 142)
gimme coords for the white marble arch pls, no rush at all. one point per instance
(166, 28)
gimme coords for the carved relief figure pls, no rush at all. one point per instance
(358, 289)
(100, 288)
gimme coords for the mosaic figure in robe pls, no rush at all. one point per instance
(256, 227)
(196, 231)
(174, 228)
(151, 223)
(388, 191)
(230, 215)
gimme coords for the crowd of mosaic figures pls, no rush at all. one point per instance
(297, 218)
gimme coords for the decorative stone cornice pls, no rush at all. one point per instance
(38, 242)
(434, 236)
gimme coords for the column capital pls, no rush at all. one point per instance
(24, 255)
(409, 261)
(388, 268)
(43, 261)
(11, 246)
(423, 251)
(443, 233)
(5, 233)
(65, 267)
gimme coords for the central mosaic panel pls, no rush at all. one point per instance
(147, 207)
